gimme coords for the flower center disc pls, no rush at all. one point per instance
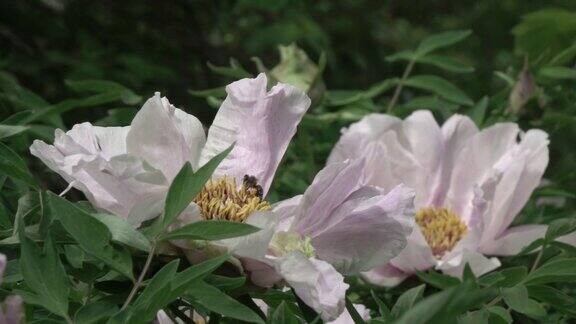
(441, 228)
(223, 199)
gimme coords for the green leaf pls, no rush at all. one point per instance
(423, 311)
(13, 166)
(560, 270)
(123, 232)
(157, 287)
(441, 40)
(446, 63)
(407, 300)
(283, 315)
(93, 86)
(235, 70)
(499, 315)
(517, 298)
(95, 313)
(476, 317)
(11, 130)
(182, 281)
(105, 87)
(506, 78)
(554, 297)
(210, 230)
(353, 312)
(478, 112)
(560, 227)
(541, 34)
(558, 72)
(437, 279)
(187, 184)
(440, 87)
(219, 92)
(215, 300)
(504, 278)
(382, 307)
(92, 235)
(406, 55)
(44, 274)
(225, 283)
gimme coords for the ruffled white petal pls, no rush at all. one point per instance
(316, 282)
(165, 137)
(260, 123)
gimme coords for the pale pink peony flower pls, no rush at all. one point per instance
(339, 226)
(470, 185)
(127, 170)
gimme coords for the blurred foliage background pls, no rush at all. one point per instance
(49, 47)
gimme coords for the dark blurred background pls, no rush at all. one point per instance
(164, 45)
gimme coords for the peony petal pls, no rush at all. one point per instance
(316, 282)
(355, 138)
(286, 211)
(456, 132)
(260, 123)
(261, 273)
(12, 313)
(475, 163)
(514, 239)
(163, 318)
(417, 255)
(426, 144)
(255, 245)
(385, 275)
(369, 231)
(330, 188)
(346, 318)
(2, 266)
(165, 137)
(479, 264)
(522, 169)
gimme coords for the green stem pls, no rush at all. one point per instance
(140, 278)
(400, 85)
(538, 258)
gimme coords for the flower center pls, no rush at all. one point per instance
(223, 199)
(285, 242)
(441, 228)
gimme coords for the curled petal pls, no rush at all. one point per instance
(479, 264)
(355, 138)
(330, 188)
(316, 282)
(260, 123)
(514, 239)
(165, 136)
(385, 275)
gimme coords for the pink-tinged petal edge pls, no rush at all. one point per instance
(260, 123)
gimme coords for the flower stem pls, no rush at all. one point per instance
(400, 85)
(140, 278)
(537, 261)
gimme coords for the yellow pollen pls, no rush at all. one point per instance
(441, 228)
(223, 199)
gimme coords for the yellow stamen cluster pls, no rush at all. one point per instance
(441, 228)
(223, 199)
